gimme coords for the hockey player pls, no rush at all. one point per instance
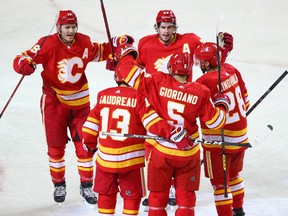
(120, 160)
(180, 103)
(65, 100)
(235, 131)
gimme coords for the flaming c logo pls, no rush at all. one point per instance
(65, 70)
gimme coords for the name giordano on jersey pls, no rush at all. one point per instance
(178, 95)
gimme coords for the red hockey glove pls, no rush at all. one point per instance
(181, 138)
(124, 50)
(26, 66)
(226, 43)
(122, 39)
(111, 63)
(222, 101)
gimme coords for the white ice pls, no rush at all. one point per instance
(260, 49)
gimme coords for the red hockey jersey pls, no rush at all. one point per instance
(232, 85)
(154, 55)
(121, 110)
(178, 103)
(64, 66)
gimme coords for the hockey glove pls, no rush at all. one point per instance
(122, 39)
(124, 50)
(111, 63)
(181, 138)
(222, 101)
(26, 66)
(226, 43)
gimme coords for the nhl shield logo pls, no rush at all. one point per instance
(128, 193)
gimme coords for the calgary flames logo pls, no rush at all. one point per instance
(65, 73)
(161, 64)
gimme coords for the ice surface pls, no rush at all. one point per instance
(260, 49)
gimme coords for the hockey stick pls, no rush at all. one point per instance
(220, 91)
(140, 136)
(20, 81)
(269, 127)
(107, 27)
(267, 92)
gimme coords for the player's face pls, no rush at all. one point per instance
(67, 33)
(166, 32)
(205, 66)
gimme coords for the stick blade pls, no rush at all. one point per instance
(270, 127)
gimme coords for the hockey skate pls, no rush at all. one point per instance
(59, 193)
(238, 212)
(171, 207)
(145, 204)
(88, 195)
(172, 199)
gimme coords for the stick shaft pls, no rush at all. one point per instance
(140, 136)
(267, 92)
(12, 95)
(220, 91)
(107, 27)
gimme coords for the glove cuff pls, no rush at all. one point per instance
(177, 134)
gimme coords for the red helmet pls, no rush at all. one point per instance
(180, 64)
(166, 16)
(66, 17)
(206, 52)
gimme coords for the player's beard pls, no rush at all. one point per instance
(203, 69)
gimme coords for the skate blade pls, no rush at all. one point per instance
(60, 204)
(90, 206)
(146, 208)
(171, 208)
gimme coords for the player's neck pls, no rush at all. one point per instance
(213, 69)
(182, 79)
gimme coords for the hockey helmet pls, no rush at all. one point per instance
(165, 16)
(206, 52)
(66, 17)
(180, 64)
